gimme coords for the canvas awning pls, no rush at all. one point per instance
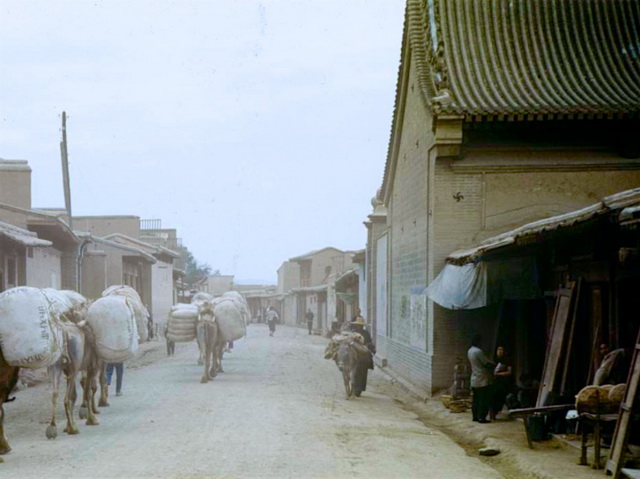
(460, 287)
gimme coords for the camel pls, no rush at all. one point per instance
(8, 380)
(212, 343)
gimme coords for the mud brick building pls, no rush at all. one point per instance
(506, 112)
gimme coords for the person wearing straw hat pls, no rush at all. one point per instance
(363, 364)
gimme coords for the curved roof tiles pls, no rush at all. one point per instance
(527, 59)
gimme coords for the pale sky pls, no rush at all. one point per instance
(258, 129)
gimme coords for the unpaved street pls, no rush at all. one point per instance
(278, 411)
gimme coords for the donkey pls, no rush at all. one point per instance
(346, 359)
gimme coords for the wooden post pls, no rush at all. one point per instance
(65, 169)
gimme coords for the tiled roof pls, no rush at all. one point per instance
(527, 59)
(22, 236)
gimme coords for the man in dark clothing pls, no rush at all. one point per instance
(309, 318)
(481, 376)
(363, 364)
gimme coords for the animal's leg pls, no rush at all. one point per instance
(89, 392)
(4, 444)
(82, 413)
(219, 353)
(104, 389)
(55, 372)
(69, 403)
(205, 375)
(346, 377)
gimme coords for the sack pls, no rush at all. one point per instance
(28, 338)
(230, 320)
(140, 311)
(113, 324)
(182, 324)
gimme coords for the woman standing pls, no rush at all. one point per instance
(503, 378)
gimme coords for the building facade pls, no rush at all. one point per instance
(487, 136)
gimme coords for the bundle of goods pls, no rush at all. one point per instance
(113, 323)
(354, 339)
(201, 297)
(455, 404)
(231, 322)
(28, 335)
(600, 399)
(182, 323)
(140, 311)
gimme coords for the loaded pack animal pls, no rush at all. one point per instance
(346, 358)
(69, 310)
(210, 341)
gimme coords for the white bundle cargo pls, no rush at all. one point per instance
(28, 337)
(61, 305)
(201, 297)
(182, 324)
(112, 321)
(140, 311)
(184, 306)
(240, 302)
(230, 320)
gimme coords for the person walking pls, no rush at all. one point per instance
(309, 318)
(119, 367)
(481, 368)
(363, 364)
(272, 319)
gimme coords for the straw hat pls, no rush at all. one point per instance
(359, 321)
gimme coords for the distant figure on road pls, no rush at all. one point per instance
(309, 318)
(119, 367)
(364, 363)
(171, 345)
(272, 319)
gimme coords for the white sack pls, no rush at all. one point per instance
(201, 297)
(113, 324)
(61, 305)
(231, 323)
(27, 336)
(182, 323)
(140, 311)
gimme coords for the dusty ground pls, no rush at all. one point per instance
(548, 460)
(278, 411)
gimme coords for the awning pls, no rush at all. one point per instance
(346, 297)
(22, 236)
(625, 200)
(460, 287)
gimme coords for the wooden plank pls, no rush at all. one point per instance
(572, 327)
(621, 435)
(556, 343)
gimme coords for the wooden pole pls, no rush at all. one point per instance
(65, 169)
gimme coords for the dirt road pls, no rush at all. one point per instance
(278, 411)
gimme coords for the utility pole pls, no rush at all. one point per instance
(65, 169)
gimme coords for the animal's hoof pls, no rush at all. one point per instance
(103, 403)
(92, 422)
(51, 432)
(5, 450)
(204, 381)
(83, 413)
(71, 430)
